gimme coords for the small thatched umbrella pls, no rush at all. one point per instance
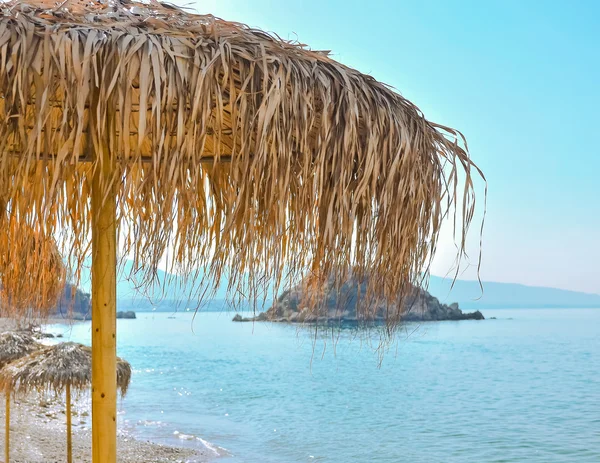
(13, 345)
(60, 368)
(16, 344)
(219, 145)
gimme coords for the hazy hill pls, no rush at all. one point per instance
(507, 295)
(467, 293)
(165, 297)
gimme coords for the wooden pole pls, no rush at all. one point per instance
(7, 428)
(104, 288)
(69, 441)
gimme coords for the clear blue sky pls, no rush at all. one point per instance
(519, 78)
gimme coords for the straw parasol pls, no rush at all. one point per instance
(16, 344)
(59, 368)
(32, 273)
(13, 345)
(220, 146)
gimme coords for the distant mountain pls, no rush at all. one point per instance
(469, 295)
(168, 295)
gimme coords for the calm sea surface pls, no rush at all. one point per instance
(522, 388)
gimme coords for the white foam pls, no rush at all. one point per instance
(218, 451)
(150, 423)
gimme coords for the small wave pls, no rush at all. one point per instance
(218, 451)
(150, 423)
(184, 436)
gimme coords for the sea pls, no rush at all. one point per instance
(523, 386)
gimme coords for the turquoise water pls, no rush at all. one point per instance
(524, 387)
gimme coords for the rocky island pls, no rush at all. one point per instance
(340, 306)
(76, 304)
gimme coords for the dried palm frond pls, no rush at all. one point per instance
(32, 273)
(231, 151)
(52, 368)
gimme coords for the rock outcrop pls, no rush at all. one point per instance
(75, 303)
(88, 316)
(130, 314)
(340, 305)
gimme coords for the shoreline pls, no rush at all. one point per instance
(38, 435)
(38, 429)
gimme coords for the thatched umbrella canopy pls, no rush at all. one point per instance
(59, 368)
(13, 345)
(32, 272)
(220, 145)
(16, 344)
(225, 144)
(67, 365)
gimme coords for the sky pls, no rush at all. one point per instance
(519, 79)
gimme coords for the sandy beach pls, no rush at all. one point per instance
(38, 434)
